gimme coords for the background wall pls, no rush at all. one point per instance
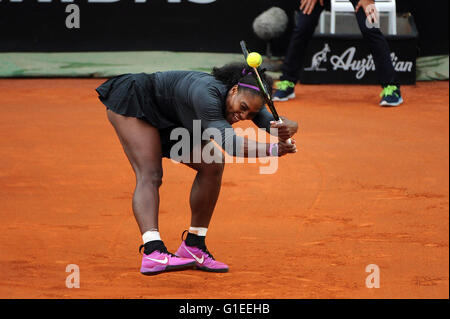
(126, 25)
(431, 17)
(184, 26)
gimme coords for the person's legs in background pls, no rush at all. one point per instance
(381, 52)
(302, 34)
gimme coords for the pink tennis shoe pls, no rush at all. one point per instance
(162, 261)
(203, 258)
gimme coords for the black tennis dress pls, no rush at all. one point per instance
(167, 100)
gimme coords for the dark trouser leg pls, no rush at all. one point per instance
(379, 48)
(302, 34)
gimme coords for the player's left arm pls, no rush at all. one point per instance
(286, 130)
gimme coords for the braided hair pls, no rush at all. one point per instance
(240, 73)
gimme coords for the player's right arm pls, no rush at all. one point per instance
(208, 106)
(240, 146)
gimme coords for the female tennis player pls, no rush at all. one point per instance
(145, 108)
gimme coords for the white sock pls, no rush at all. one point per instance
(151, 235)
(199, 231)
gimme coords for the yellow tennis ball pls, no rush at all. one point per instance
(254, 59)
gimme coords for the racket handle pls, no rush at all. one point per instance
(289, 141)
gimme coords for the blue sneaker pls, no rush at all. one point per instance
(391, 96)
(285, 91)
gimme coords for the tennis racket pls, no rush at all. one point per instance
(263, 87)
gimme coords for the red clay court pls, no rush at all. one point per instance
(369, 185)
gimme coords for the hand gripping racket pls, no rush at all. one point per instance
(263, 87)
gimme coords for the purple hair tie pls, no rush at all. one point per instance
(249, 86)
(245, 72)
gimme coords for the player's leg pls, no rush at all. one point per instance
(381, 53)
(203, 198)
(205, 192)
(301, 36)
(142, 145)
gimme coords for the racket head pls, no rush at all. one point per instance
(261, 84)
